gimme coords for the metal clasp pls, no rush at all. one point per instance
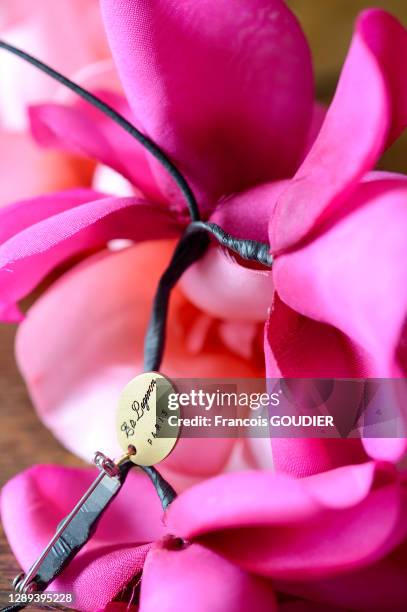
(25, 583)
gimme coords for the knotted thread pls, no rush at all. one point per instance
(164, 490)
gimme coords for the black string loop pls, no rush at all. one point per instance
(251, 250)
(190, 248)
(164, 490)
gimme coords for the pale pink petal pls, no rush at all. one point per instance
(50, 31)
(27, 257)
(218, 284)
(95, 370)
(223, 288)
(227, 93)
(109, 181)
(199, 580)
(240, 337)
(296, 529)
(35, 501)
(27, 171)
(369, 108)
(80, 128)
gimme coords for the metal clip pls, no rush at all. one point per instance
(63, 546)
(106, 465)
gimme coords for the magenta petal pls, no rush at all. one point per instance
(318, 118)
(247, 214)
(369, 108)
(82, 129)
(381, 586)
(298, 347)
(35, 501)
(305, 606)
(198, 579)
(354, 275)
(387, 38)
(227, 93)
(27, 257)
(297, 529)
(18, 216)
(10, 313)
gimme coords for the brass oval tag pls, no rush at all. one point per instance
(143, 418)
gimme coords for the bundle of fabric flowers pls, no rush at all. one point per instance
(313, 524)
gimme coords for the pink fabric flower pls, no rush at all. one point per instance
(325, 181)
(250, 131)
(324, 222)
(339, 233)
(325, 207)
(335, 539)
(228, 95)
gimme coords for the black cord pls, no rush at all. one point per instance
(190, 248)
(251, 250)
(117, 118)
(164, 490)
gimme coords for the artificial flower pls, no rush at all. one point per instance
(223, 141)
(338, 230)
(228, 95)
(248, 538)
